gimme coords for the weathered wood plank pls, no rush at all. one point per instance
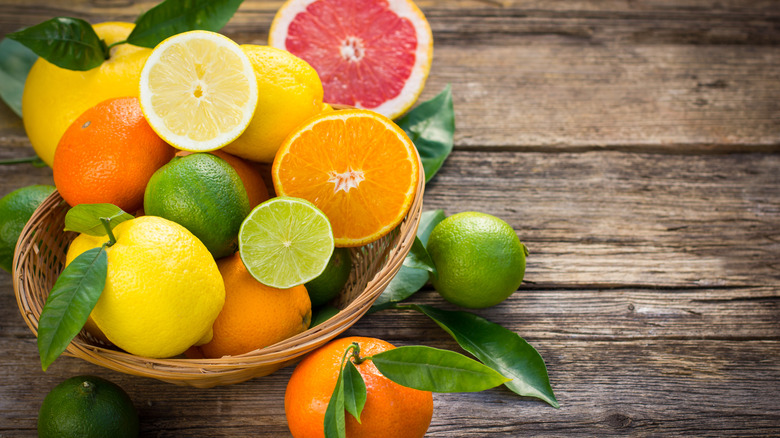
(608, 219)
(607, 314)
(661, 387)
(572, 76)
(613, 218)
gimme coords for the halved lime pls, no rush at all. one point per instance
(285, 242)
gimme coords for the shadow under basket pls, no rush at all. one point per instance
(40, 257)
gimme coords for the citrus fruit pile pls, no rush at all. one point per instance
(214, 261)
(244, 175)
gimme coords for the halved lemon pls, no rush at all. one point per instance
(198, 90)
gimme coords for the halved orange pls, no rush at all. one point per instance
(357, 166)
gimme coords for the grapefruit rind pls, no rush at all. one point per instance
(198, 91)
(414, 84)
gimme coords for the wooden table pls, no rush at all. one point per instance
(635, 148)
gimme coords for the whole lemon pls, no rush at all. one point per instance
(163, 288)
(54, 97)
(289, 91)
(479, 259)
(87, 407)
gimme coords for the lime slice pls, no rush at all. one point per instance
(285, 242)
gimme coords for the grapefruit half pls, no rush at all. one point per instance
(371, 54)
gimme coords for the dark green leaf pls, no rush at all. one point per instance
(431, 126)
(432, 369)
(418, 257)
(499, 348)
(16, 60)
(409, 280)
(65, 42)
(70, 302)
(428, 221)
(354, 390)
(176, 16)
(335, 426)
(85, 218)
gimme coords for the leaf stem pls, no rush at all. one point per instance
(107, 225)
(32, 159)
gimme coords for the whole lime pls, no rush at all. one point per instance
(16, 208)
(328, 284)
(479, 259)
(87, 407)
(203, 193)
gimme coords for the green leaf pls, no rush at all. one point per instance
(431, 126)
(405, 284)
(354, 390)
(85, 218)
(65, 42)
(335, 423)
(409, 280)
(70, 302)
(499, 348)
(16, 60)
(432, 369)
(176, 16)
(428, 221)
(418, 257)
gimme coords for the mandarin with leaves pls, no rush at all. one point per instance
(390, 410)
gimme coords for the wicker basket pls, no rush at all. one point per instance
(40, 255)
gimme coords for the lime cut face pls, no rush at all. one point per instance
(285, 242)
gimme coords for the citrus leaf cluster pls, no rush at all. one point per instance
(72, 43)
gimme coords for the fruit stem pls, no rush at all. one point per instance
(107, 225)
(355, 347)
(110, 46)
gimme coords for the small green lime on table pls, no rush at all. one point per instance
(479, 259)
(87, 407)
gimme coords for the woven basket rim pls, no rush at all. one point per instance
(217, 371)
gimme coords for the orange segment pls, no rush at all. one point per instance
(357, 166)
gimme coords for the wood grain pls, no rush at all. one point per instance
(650, 75)
(613, 218)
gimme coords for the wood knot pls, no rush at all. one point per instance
(618, 421)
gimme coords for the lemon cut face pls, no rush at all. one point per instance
(198, 90)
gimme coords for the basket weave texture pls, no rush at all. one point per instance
(40, 257)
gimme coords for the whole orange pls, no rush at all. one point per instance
(108, 155)
(254, 315)
(391, 410)
(250, 175)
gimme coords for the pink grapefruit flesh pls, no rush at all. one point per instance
(372, 54)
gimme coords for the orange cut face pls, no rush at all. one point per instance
(357, 166)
